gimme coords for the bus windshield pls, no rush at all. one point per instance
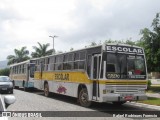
(124, 66)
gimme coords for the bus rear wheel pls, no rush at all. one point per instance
(46, 90)
(24, 87)
(84, 98)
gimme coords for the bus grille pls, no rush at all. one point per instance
(125, 88)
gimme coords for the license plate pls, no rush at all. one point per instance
(4, 88)
(128, 98)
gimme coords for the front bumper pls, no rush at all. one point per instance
(6, 89)
(123, 97)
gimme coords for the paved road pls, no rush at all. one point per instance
(35, 101)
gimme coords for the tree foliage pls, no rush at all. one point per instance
(150, 41)
(20, 55)
(41, 50)
(71, 49)
(4, 72)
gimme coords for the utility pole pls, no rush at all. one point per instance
(54, 36)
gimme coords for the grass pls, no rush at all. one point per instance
(151, 101)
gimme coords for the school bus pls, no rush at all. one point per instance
(22, 74)
(106, 73)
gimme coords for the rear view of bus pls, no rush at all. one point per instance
(123, 74)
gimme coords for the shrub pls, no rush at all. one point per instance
(149, 84)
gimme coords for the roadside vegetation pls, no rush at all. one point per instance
(154, 89)
(20, 56)
(41, 50)
(151, 101)
(4, 71)
(149, 85)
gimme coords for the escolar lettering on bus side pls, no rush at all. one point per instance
(61, 76)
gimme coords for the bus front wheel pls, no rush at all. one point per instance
(46, 90)
(84, 98)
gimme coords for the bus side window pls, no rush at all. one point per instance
(76, 60)
(89, 65)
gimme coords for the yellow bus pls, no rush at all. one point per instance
(106, 73)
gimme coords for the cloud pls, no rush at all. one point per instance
(115, 20)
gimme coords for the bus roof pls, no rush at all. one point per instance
(103, 46)
(27, 61)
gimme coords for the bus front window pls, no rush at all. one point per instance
(136, 67)
(123, 66)
(115, 66)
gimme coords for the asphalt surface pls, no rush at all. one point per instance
(63, 107)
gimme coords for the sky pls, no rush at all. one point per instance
(77, 23)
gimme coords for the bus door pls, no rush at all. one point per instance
(30, 74)
(95, 70)
(41, 73)
(27, 72)
(31, 70)
(25, 81)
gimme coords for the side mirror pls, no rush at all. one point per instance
(9, 99)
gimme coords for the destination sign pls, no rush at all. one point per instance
(126, 49)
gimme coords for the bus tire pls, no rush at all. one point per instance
(83, 98)
(119, 103)
(24, 88)
(14, 86)
(46, 90)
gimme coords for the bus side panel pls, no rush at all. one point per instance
(65, 88)
(37, 80)
(18, 79)
(65, 83)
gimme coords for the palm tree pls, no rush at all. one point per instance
(20, 55)
(41, 50)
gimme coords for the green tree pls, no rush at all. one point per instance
(4, 72)
(41, 50)
(71, 49)
(93, 44)
(113, 41)
(20, 55)
(150, 41)
(128, 41)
